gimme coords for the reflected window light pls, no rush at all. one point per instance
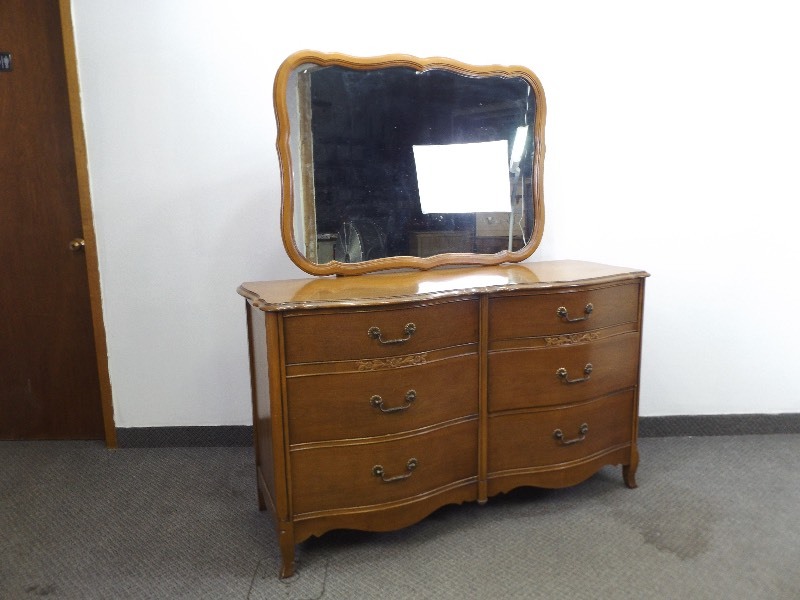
(466, 282)
(520, 139)
(463, 178)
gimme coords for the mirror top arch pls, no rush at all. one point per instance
(352, 136)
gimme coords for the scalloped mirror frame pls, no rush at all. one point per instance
(420, 64)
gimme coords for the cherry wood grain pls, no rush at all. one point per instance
(337, 406)
(444, 454)
(377, 289)
(319, 336)
(560, 475)
(488, 398)
(614, 366)
(384, 517)
(536, 314)
(526, 439)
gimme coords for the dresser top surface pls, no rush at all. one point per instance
(410, 286)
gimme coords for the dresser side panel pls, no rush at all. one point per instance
(267, 422)
(483, 399)
(629, 471)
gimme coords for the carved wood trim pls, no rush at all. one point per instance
(379, 364)
(566, 339)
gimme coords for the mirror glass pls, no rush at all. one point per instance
(397, 162)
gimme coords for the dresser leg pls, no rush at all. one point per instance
(287, 553)
(629, 476)
(260, 485)
(262, 504)
(629, 470)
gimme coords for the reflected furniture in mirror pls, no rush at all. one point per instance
(380, 397)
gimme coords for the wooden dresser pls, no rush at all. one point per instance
(380, 398)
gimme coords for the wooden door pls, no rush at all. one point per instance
(49, 379)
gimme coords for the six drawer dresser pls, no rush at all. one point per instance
(379, 398)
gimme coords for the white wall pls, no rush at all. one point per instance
(672, 136)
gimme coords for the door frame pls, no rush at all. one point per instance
(87, 221)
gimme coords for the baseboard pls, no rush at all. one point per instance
(170, 437)
(672, 426)
(702, 425)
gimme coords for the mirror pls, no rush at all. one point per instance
(401, 162)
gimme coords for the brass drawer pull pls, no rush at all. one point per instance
(377, 402)
(562, 374)
(378, 471)
(375, 333)
(562, 313)
(582, 430)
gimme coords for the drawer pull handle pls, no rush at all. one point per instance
(582, 430)
(377, 402)
(375, 333)
(378, 471)
(563, 313)
(562, 374)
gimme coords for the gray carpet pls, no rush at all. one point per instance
(713, 517)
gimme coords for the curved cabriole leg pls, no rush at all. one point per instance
(287, 553)
(629, 470)
(629, 475)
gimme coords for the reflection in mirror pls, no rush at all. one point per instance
(392, 160)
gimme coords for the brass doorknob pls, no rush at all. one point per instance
(76, 244)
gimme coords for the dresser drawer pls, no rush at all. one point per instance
(579, 309)
(533, 377)
(379, 332)
(352, 475)
(359, 405)
(553, 437)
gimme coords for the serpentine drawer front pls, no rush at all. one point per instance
(370, 403)
(559, 436)
(562, 313)
(379, 398)
(562, 374)
(377, 471)
(379, 332)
